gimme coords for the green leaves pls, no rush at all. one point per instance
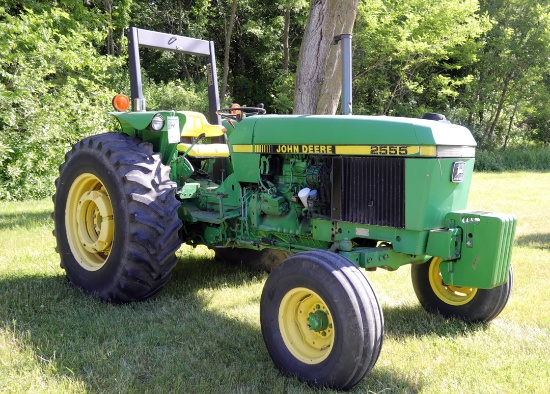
(482, 63)
(511, 73)
(53, 91)
(409, 52)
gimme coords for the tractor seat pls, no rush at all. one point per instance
(204, 150)
(196, 124)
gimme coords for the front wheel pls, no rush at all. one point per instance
(321, 320)
(467, 303)
(115, 216)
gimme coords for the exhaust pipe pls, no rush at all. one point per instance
(345, 40)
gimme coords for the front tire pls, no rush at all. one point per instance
(467, 303)
(115, 216)
(321, 320)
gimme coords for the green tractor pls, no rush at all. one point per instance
(312, 198)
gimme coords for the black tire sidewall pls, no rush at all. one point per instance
(338, 368)
(484, 306)
(89, 160)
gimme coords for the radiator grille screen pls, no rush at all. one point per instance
(369, 190)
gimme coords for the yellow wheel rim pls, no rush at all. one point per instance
(452, 295)
(306, 325)
(89, 222)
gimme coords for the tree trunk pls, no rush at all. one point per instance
(120, 40)
(110, 40)
(228, 47)
(286, 50)
(510, 124)
(318, 76)
(489, 131)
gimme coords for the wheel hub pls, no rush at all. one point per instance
(89, 220)
(95, 221)
(449, 294)
(318, 321)
(306, 325)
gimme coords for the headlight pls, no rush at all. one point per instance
(157, 123)
(457, 172)
(455, 151)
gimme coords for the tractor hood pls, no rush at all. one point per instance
(353, 135)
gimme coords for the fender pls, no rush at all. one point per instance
(132, 122)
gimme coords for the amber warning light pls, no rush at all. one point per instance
(121, 102)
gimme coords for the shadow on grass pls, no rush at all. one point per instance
(171, 343)
(540, 241)
(10, 220)
(407, 321)
(175, 342)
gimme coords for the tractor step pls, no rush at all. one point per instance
(213, 217)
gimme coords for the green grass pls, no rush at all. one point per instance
(201, 334)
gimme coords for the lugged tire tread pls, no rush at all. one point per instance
(152, 210)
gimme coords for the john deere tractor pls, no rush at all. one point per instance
(315, 199)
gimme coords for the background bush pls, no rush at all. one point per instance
(55, 89)
(52, 90)
(513, 159)
(483, 64)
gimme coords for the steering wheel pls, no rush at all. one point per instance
(238, 113)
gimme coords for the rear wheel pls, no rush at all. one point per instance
(467, 303)
(115, 216)
(321, 320)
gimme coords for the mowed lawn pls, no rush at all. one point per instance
(201, 334)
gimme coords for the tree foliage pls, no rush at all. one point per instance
(409, 55)
(511, 72)
(53, 90)
(483, 63)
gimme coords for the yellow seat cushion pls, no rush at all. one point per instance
(205, 150)
(196, 124)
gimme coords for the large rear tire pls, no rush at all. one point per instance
(467, 303)
(115, 216)
(321, 320)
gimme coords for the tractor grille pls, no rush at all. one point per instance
(369, 190)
